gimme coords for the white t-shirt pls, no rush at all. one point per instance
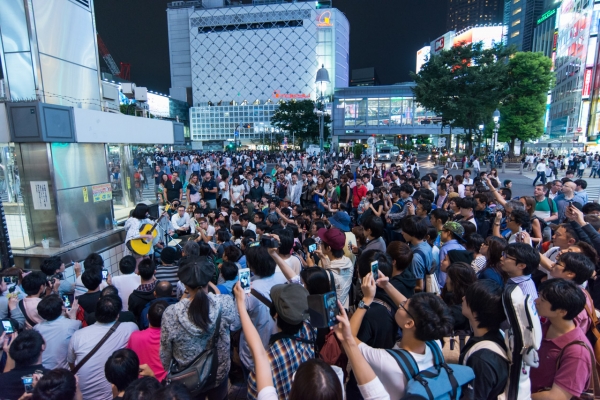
(294, 264)
(126, 284)
(224, 193)
(387, 370)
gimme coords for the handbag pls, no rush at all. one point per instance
(201, 374)
(453, 345)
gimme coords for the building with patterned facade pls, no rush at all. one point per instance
(235, 63)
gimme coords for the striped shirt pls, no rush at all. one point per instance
(526, 285)
(167, 273)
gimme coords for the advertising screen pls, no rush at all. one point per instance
(422, 57)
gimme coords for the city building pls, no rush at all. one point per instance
(464, 13)
(364, 77)
(520, 19)
(237, 62)
(389, 112)
(545, 34)
(575, 58)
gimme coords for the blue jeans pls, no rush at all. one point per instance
(542, 175)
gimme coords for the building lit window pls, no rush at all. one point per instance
(515, 33)
(518, 10)
(517, 22)
(516, 1)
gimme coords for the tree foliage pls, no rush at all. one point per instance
(299, 119)
(464, 85)
(524, 103)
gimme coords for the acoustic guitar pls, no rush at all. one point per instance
(142, 246)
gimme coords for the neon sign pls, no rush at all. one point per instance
(546, 15)
(278, 95)
(324, 19)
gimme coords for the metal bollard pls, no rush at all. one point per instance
(521, 169)
(503, 167)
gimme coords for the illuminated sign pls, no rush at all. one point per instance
(278, 95)
(324, 19)
(555, 40)
(442, 43)
(422, 57)
(489, 35)
(546, 15)
(587, 83)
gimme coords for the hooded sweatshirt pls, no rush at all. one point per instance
(138, 300)
(343, 270)
(182, 341)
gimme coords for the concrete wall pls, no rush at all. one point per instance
(100, 127)
(4, 132)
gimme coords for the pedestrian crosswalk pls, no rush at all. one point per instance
(593, 184)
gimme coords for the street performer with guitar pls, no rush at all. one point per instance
(142, 232)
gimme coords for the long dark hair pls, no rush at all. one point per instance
(193, 273)
(140, 211)
(462, 276)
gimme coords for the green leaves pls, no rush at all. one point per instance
(299, 119)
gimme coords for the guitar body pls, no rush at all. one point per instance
(140, 246)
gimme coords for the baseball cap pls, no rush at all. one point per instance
(333, 237)
(196, 271)
(455, 228)
(290, 302)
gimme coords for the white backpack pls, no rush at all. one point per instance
(523, 339)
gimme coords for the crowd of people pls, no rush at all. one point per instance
(421, 267)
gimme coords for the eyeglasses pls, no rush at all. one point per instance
(401, 305)
(504, 255)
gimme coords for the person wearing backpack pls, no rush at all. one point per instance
(545, 207)
(566, 360)
(485, 351)
(424, 320)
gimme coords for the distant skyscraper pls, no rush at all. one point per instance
(464, 13)
(520, 18)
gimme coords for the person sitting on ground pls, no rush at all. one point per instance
(163, 291)
(57, 384)
(167, 270)
(127, 281)
(56, 330)
(34, 284)
(229, 272)
(91, 279)
(124, 316)
(146, 343)
(121, 369)
(24, 358)
(54, 267)
(91, 374)
(145, 292)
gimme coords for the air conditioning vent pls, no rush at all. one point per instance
(85, 3)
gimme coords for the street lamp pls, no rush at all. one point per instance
(322, 81)
(496, 117)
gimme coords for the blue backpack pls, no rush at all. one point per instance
(440, 382)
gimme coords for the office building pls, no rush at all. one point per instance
(238, 62)
(545, 34)
(464, 13)
(520, 19)
(364, 77)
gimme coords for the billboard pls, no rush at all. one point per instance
(489, 35)
(442, 43)
(422, 57)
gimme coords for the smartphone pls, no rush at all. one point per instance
(28, 383)
(10, 279)
(7, 326)
(322, 309)
(66, 302)
(244, 277)
(331, 308)
(375, 270)
(312, 248)
(104, 274)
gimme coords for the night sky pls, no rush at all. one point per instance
(384, 34)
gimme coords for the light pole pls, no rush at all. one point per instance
(322, 81)
(496, 117)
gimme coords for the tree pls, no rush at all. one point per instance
(524, 103)
(464, 85)
(299, 119)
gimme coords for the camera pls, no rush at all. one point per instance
(269, 242)
(51, 279)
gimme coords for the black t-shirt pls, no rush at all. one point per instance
(124, 316)
(378, 328)
(344, 192)
(11, 383)
(405, 283)
(173, 189)
(209, 186)
(491, 369)
(377, 204)
(88, 301)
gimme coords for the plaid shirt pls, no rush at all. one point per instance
(286, 355)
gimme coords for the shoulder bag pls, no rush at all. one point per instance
(201, 374)
(96, 348)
